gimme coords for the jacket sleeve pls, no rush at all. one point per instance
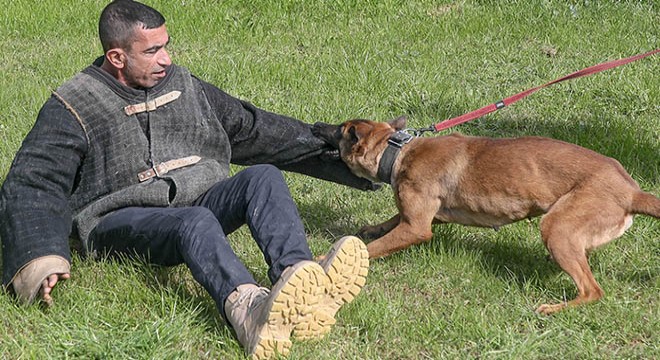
(258, 136)
(35, 217)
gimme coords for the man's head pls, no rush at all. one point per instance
(133, 36)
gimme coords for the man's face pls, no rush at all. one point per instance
(147, 59)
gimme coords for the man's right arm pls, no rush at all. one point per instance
(261, 137)
(35, 217)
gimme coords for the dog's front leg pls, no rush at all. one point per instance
(371, 232)
(416, 213)
(402, 236)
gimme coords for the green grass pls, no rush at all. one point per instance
(468, 293)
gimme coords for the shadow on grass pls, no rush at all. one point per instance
(175, 281)
(517, 258)
(178, 282)
(330, 223)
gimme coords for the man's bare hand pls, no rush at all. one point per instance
(48, 285)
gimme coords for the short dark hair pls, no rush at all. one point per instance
(119, 19)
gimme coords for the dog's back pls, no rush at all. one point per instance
(514, 177)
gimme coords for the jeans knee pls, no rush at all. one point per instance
(264, 170)
(196, 221)
(264, 174)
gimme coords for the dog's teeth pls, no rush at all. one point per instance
(331, 155)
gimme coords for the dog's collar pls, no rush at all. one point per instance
(394, 145)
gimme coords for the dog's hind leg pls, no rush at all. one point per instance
(571, 229)
(577, 266)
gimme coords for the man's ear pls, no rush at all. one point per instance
(116, 58)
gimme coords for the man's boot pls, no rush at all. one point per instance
(264, 319)
(346, 266)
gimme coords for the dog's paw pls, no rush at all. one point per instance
(370, 232)
(549, 309)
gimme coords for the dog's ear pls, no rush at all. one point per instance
(352, 135)
(398, 123)
(357, 149)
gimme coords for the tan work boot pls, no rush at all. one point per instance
(346, 267)
(263, 320)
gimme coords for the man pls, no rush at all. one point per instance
(132, 156)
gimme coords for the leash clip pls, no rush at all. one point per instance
(399, 138)
(420, 131)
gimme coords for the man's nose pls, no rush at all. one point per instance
(164, 59)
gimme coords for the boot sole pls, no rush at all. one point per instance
(299, 291)
(345, 268)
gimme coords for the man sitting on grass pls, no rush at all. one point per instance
(132, 157)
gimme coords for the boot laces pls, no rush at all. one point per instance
(250, 298)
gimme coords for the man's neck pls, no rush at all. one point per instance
(113, 71)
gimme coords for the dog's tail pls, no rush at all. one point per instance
(646, 203)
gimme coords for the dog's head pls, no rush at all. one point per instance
(360, 142)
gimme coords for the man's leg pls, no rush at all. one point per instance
(305, 295)
(259, 197)
(263, 320)
(171, 236)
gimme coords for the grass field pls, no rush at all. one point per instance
(468, 293)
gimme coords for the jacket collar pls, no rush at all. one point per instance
(122, 90)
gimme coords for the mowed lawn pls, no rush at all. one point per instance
(469, 292)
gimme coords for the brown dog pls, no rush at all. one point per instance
(586, 199)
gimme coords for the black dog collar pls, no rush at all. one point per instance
(394, 145)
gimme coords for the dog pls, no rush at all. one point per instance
(585, 199)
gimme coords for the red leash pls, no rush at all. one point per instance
(446, 124)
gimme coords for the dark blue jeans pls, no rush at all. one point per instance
(197, 235)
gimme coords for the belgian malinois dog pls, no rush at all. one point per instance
(585, 199)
